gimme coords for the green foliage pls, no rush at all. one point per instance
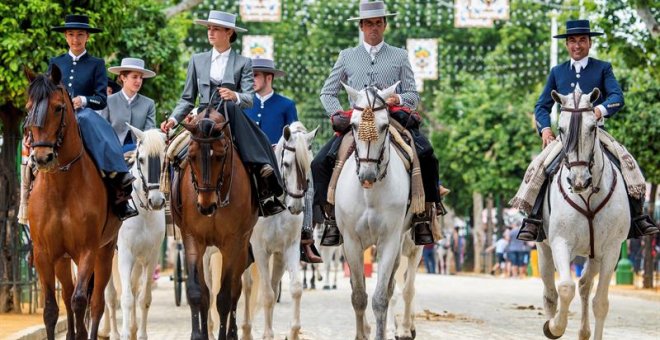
(130, 28)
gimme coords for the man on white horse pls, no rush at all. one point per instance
(272, 112)
(584, 73)
(374, 63)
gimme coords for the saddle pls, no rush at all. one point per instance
(404, 146)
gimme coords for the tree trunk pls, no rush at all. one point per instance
(489, 232)
(477, 230)
(648, 18)
(9, 196)
(648, 243)
(180, 7)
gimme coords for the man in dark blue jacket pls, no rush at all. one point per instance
(85, 79)
(584, 73)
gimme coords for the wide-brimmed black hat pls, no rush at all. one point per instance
(577, 27)
(76, 22)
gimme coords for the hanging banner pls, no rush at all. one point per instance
(489, 9)
(261, 10)
(419, 84)
(462, 18)
(423, 56)
(258, 46)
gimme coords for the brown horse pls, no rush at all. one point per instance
(217, 209)
(69, 213)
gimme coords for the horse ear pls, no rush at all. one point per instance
(286, 132)
(309, 137)
(137, 132)
(386, 93)
(594, 95)
(55, 74)
(558, 98)
(353, 94)
(29, 74)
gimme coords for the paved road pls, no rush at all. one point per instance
(460, 307)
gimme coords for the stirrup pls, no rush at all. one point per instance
(331, 235)
(531, 230)
(641, 226)
(421, 232)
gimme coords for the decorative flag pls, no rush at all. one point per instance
(423, 56)
(489, 9)
(261, 10)
(462, 18)
(258, 46)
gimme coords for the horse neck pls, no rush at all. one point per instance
(72, 143)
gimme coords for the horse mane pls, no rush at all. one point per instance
(574, 131)
(152, 142)
(39, 91)
(302, 151)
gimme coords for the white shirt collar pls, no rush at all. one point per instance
(582, 62)
(128, 99)
(215, 54)
(266, 97)
(368, 47)
(76, 58)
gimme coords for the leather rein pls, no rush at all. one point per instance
(154, 176)
(302, 186)
(381, 153)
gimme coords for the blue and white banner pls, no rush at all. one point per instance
(261, 10)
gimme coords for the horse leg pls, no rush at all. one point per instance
(193, 287)
(46, 272)
(145, 296)
(584, 287)
(236, 287)
(292, 256)
(208, 278)
(304, 271)
(359, 298)
(102, 273)
(248, 284)
(408, 322)
(547, 269)
(312, 280)
(223, 300)
(126, 263)
(556, 326)
(337, 268)
(261, 258)
(601, 301)
(79, 300)
(389, 262)
(108, 327)
(64, 274)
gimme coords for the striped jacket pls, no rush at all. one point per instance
(355, 68)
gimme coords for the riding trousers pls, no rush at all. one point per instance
(101, 141)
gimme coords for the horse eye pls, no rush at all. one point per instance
(286, 165)
(141, 160)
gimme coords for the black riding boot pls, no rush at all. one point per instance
(331, 235)
(421, 225)
(122, 186)
(269, 204)
(641, 224)
(308, 252)
(532, 226)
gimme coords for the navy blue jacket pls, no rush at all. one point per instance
(563, 79)
(276, 112)
(86, 77)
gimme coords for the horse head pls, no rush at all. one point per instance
(149, 155)
(208, 151)
(47, 98)
(578, 127)
(294, 155)
(370, 125)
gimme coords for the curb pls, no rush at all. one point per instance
(38, 332)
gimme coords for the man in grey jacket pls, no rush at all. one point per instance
(221, 75)
(372, 63)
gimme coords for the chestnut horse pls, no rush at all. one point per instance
(69, 214)
(217, 209)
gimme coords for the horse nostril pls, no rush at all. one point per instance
(50, 157)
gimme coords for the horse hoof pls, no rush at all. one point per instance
(334, 286)
(414, 333)
(326, 287)
(403, 337)
(547, 333)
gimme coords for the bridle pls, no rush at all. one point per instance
(205, 145)
(153, 182)
(575, 132)
(59, 140)
(300, 174)
(371, 110)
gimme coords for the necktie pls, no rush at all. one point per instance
(372, 52)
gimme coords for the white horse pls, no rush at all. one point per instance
(588, 190)
(278, 236)
(140, 239)
(371, 206)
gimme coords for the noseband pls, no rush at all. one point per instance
(370, 110)
(205, 144)
(302, 179)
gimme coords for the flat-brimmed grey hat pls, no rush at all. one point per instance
(132, 64)
(222, 19)
(369, 10)
(267, 66)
